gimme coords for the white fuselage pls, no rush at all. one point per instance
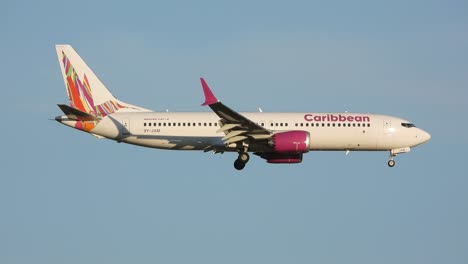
(199, 131)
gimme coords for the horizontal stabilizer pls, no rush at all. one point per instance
(76, 114)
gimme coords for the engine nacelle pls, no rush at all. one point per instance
(272, 157)
(295, 141)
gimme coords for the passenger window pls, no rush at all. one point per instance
(144, 124)
(333, 124)
(359, 125)
(168, 124)
(323, 124)
(328, 124)
(368, 125)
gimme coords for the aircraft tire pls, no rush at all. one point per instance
(239, 164)
(391, 163)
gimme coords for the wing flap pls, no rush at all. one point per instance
(228, 127)
(235, 139)
(233, 134)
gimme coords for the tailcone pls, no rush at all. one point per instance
(59, 119)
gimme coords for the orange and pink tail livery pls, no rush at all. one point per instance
(86, 92)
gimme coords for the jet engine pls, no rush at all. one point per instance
(295, 141)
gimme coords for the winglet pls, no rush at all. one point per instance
(209, 96)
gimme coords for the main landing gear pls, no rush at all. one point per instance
(240, 162)
(391, 162)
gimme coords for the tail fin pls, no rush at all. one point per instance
(85, 91)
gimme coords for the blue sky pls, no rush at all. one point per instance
(66, 197)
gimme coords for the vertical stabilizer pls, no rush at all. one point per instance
(85, 91)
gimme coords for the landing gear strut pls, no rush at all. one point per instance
(240, 162)
(391, 159)
(394, 153)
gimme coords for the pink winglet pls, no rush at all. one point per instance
(209, 96)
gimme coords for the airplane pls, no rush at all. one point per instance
(279, 138)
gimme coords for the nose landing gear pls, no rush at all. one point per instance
(394, 153)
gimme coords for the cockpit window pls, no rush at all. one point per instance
(408, 125)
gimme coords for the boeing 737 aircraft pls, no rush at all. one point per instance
(275, 137)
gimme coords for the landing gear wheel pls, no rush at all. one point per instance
(391, 163)
(239, 164)
(244, 157)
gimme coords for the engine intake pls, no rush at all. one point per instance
(296, 141)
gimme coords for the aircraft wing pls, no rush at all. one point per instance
(236, 127)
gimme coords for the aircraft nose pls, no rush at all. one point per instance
(424, 136)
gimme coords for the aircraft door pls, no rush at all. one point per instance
(387, 124)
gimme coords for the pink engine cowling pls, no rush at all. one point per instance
(295, 141)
